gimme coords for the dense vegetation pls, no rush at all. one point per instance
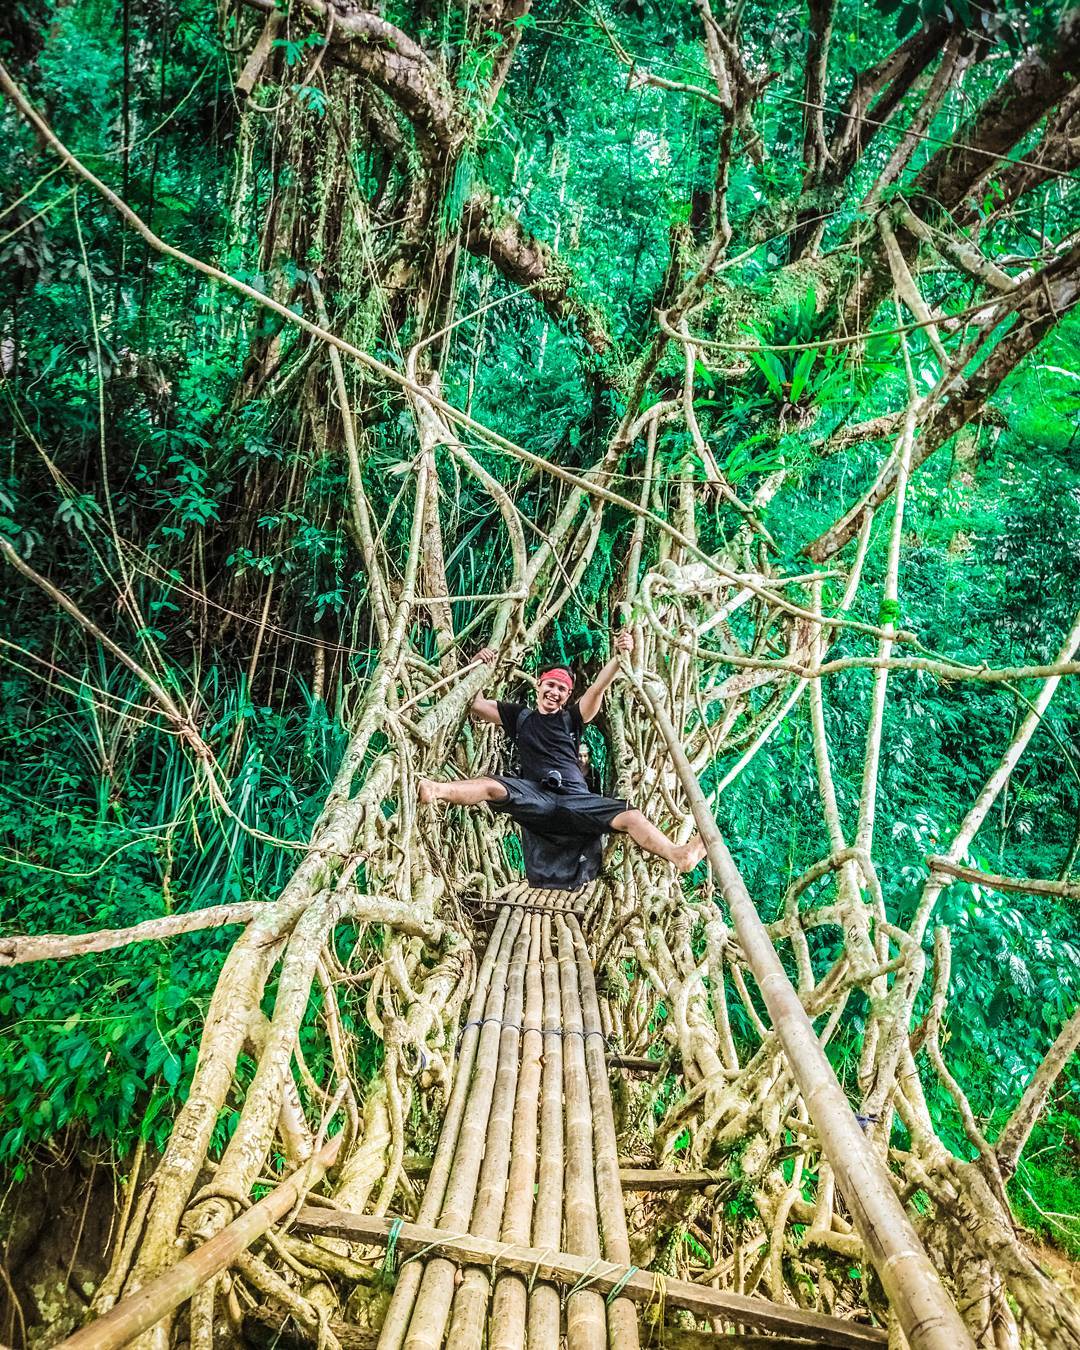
(235, 513)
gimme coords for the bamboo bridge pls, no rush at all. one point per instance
(527, 1159)
(520, 1238)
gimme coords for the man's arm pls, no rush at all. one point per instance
(591, 699)
(486, 709)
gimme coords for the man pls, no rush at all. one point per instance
(563, 823)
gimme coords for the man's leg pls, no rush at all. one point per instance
(465, 792)
(645, 834)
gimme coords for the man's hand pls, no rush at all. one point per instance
(486, 709)
(590, 701)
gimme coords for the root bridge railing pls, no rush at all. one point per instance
(520, 1237)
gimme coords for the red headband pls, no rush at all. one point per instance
(560, 676)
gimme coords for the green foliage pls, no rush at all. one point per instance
(103, 1043)
(1046, 1189)
(108, 1042)
(210, 534)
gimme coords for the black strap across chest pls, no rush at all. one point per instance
(567, 722)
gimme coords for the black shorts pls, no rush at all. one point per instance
(561, 832)
(577, 813)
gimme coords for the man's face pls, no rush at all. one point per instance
(551, 695)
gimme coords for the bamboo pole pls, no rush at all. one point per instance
(144, 1309)
(432, 1307)
(662, 1179)
(398, 1314)
(471, 1300)
(506, 1330)
(545, 1312)
(622, 1318)
(603, 1276)
(586, 1323)
(923, 1307)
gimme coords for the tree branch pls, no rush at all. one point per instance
(498, 21)
(993, 881)
(949, 68)
(1039, 303)
(960, 252)
(1037, 84)
(1020, 1124)
(397, 65)
(499, 237)
(815, 149)
(1058, 152)
(891, 78)
(260, 54)
(18, 951)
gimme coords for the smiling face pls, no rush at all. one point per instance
(551, 695)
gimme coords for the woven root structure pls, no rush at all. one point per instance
(372, 925)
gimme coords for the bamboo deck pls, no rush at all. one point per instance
(527, 1153)
(523, 896)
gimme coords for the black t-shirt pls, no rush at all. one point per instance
(546, 742)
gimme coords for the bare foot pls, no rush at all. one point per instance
(689, 855)
(427, 792)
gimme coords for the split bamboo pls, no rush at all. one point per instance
(544, 1315)
(408, 1283)
(471, 1299)
(432, 1308)
(622, 1318)
(506, 1330)
(505, 1137)
(586, 1323)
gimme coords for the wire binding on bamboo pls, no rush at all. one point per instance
(540, 899)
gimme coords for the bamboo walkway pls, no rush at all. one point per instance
(521, 1237)
(527, 1153)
